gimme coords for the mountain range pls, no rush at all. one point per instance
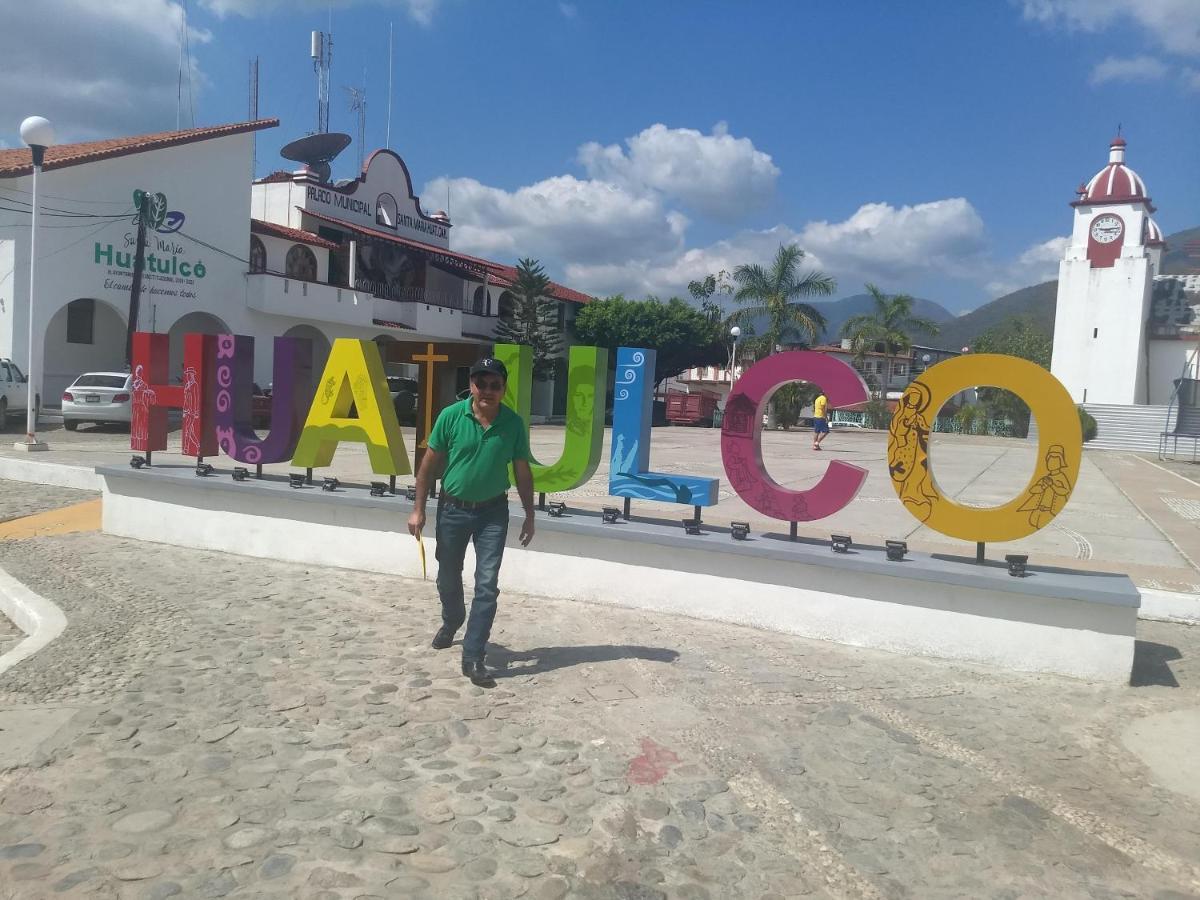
(1036, 301)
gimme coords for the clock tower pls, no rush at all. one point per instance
(1104, 287)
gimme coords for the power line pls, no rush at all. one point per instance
(17, 190)
(63, 215)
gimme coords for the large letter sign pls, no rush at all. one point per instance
(628, 471)
(153, 395)
(583, 444)
(291, 393)
(353, 375)
(1060, 447)
(741, 436)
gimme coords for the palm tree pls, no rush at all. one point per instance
(889, 324)
(773, 293)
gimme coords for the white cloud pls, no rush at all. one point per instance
(95, 70)
(564, 218)
(1036, 264)
(893, 244)
(1138, 68)
(569, 10)
(715, 174)
(1174, 25)
(420, 11)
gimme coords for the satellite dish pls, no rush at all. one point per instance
(316, 151)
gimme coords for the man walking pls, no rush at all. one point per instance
(471, 446)
(820, 419)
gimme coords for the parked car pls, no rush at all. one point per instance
(260, 407)
(846, 425)
(14, 392)
(101, 397)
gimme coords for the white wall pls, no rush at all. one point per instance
(7, 264)
(1167, 359)
(64, 361)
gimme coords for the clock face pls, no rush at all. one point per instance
(1107, 229)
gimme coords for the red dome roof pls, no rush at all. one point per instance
(1116, 182)
(1152, 235)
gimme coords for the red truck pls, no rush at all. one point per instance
(694, 408)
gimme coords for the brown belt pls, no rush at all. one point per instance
(472, 505)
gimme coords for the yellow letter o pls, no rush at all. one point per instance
(1060, 448)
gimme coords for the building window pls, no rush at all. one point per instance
(81, 315)
(900, 369)
(301, 263)
(562, 317)
(506, 305)
(386, 211)
(258, 255)
(480, 302)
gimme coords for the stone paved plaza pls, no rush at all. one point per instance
(216, 726)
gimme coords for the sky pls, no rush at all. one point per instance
(931, 148)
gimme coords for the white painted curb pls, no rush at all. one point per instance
(56, 474)
(1170, 606)
(40, 619)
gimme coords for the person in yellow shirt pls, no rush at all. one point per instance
(820, 420)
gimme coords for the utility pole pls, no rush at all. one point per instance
(145, 203)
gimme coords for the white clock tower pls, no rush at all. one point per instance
(1104, 288)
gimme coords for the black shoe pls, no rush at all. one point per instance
(478, 673)
(443, 639)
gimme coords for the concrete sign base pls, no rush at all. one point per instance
(1079, 624)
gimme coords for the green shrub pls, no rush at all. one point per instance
(1087, 425)
(877, 413)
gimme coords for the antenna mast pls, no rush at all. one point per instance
(388, 140)
(322, 57)
(253, 111)
(358, 103)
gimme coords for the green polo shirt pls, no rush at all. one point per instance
(477, 458)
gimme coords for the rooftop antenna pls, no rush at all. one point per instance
(185, 56)
(322, 57)
(358, 103)
(388, 140)
(253, 114)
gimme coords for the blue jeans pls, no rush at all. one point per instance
(455, 529)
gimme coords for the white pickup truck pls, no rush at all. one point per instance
(14, 392)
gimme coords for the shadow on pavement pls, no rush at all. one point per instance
(1150, 667)
(507, 663)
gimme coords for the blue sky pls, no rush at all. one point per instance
(932, 147)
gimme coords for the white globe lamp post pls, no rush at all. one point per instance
(37, 134)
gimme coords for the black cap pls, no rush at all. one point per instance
(489, 364)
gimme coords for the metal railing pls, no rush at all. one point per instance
(1167, 433)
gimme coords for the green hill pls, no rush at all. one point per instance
(1038, 301)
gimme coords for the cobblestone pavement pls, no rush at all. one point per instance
(249, 729)
(19, 499)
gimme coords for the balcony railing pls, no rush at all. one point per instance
(429, 296)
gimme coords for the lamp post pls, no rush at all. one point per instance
(38, 134)
(735, 332)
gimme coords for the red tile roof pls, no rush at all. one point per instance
(498, 273)
(17, 162)
(278, 175)
(258, 226)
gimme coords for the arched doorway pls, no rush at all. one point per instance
(301, 263)
(320, 346)
(192, 323)
(86, 335)
(481, 305)
(506, 306)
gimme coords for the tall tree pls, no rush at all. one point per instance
(681, 335)
(1019, 336)
(533, 319)
(774, 294)
(889, 325)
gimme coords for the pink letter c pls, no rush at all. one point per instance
(741, 436)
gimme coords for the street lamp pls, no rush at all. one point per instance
(38, 134)
(735, 332)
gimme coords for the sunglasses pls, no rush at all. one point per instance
(489, 384)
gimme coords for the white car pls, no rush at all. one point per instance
(14, 392)
(98, 397)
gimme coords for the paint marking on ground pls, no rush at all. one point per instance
(1183, 507)
(66, 520)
